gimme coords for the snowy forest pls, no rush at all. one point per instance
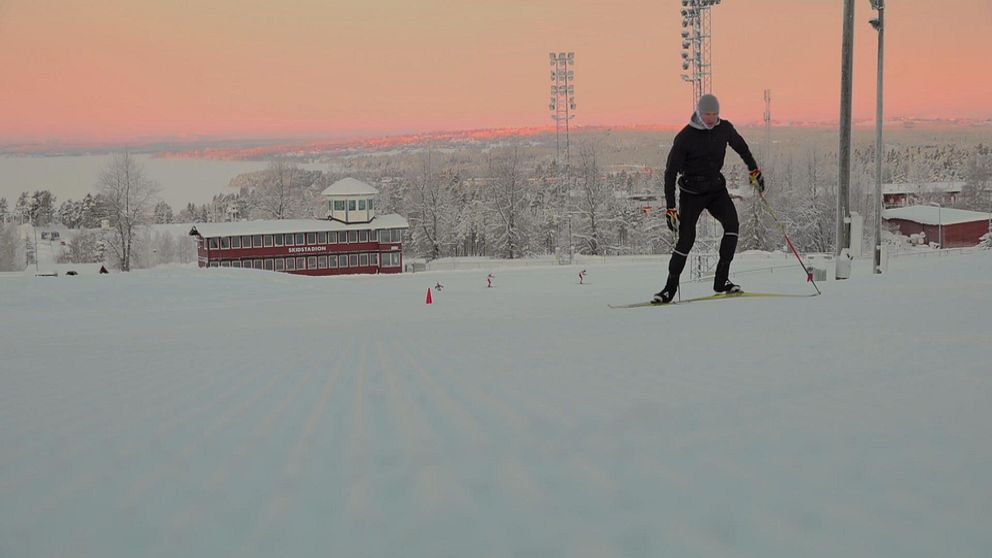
(514, 198)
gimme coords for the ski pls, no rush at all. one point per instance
(717, 296)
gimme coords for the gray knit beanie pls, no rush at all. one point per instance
(708, 103)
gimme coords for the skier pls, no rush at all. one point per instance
(489, 280)
(697, 155)
(438, 287)
(582, 276)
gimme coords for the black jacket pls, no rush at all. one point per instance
(697, 154)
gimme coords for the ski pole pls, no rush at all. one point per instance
(781, 228)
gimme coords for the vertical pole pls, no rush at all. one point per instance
(844, 153)
(879, 150)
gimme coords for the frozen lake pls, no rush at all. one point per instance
(71, 177)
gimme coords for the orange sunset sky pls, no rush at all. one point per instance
(108, 71)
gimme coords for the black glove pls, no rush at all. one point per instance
(672, 217)
(757, 180)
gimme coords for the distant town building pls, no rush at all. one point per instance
(950, 228)
(904, 194)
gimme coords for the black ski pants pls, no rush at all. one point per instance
(691, 206)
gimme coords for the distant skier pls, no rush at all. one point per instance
(438, 287)
(489, 281)
(697, 155)
(582, 276)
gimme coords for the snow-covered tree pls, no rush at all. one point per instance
(9, 243)
(280, 195)
(130, 196)
(71, 214)
(592, 201)
(509, 200)
(84, 247)
(429, 209)
(162, 213)
(42, 207)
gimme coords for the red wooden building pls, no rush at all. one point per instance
(353, 239)
(950, 228)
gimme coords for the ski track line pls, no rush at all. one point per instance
(359, 502)
(451, 411)
(433, 486)
(479, 390)
(118, 386)
(86, 479)
(293, 469)
(236, 409)
(216, 481)
(109, 378)
(520, 431)
(98, 419)
(510, 472)
(418, 439)
(262, 431)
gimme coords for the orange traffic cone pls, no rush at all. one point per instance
(429, 301)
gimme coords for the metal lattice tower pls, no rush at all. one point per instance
(696, 60)
(767, 155)
(562, 107)
(562, 103)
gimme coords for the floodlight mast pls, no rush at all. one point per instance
(696, 51)
(562, 108)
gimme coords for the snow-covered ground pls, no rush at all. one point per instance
(185, 412)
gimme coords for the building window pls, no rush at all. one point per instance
(268, 264)
(321, 262)
(384, 236)
(280, 264)
(235, 242)
(290, 264)
(363, 236)
(277, 239)
(390, 259)
(311, 238)
(351, 205)
(371, 207)
(289, 240)
(268, 241)
(353, 260)
(363, 260)
(338, 205)
(301, 263)
(225, 263)
(225, 243)
(375, 259)
(332, 262)
(246, 242)
(257, 242)
(343, 261)
(374, 236)
(214, 264)
(332, 237)
(257, 264)
(352, 236)
(213, 243)
(236, 263)
(361, 205)
(322, 238)
(312, 262)
(299, 239)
